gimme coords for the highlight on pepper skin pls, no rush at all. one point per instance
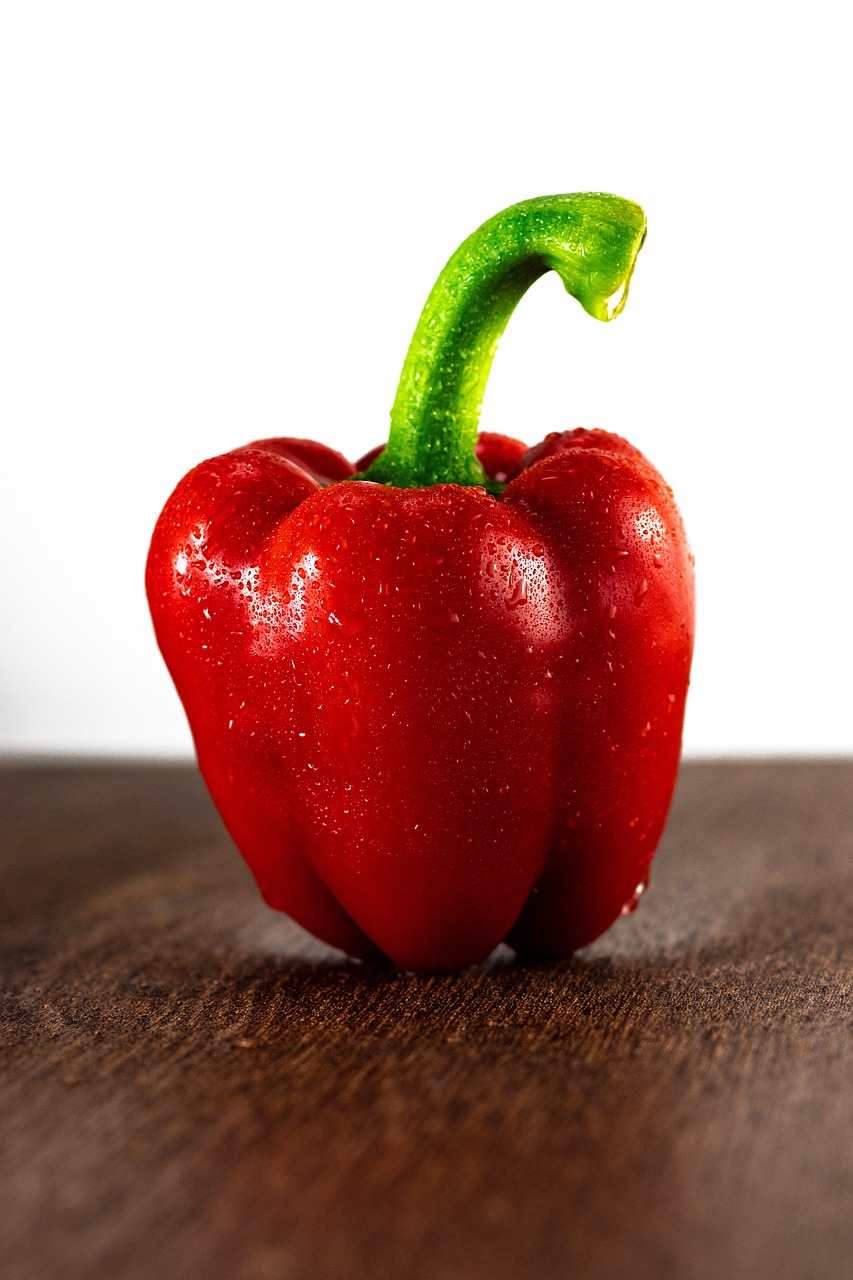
(437, 696)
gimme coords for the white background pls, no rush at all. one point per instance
(220, 222)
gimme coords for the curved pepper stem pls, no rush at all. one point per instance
(591, 240)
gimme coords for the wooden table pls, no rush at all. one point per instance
(192, 1088)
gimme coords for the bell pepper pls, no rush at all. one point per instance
(438, 697)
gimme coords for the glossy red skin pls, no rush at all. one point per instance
(433, 720)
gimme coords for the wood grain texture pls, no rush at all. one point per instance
(192, 1088)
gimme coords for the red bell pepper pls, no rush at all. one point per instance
(439, 703)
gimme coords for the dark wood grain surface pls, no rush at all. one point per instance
(190, 1087)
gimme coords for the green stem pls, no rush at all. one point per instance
(591, 240)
